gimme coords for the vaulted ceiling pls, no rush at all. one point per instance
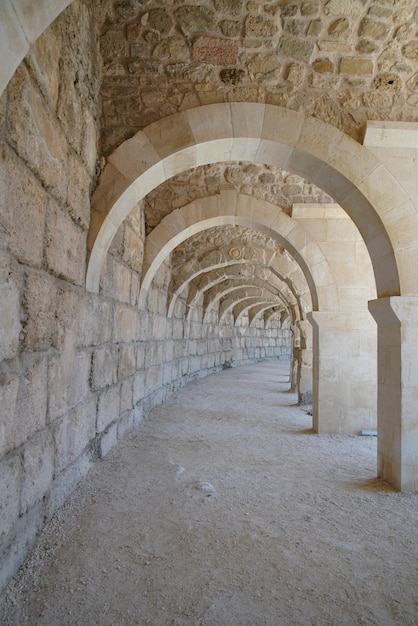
(342, 61)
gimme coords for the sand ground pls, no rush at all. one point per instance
(224, 509)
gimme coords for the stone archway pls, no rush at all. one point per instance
(347, 171)
(353, 176)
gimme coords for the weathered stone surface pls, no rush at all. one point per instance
(127, 362)
(259, 26)
(231, 7)
(22, 211)
(144, 66)
(265, 67)
(315, 28)
(113, 44)
(195, 19)
(103, 368)
(68, 380)
(410, 50)
(294, 27)
(10, 472)
(296, 73)
(216, 51)
(172, 48)
(233, 76)
(323, 65)
(65, 245)
(339, 28)
(387, 82)
(296, 48)
(38, 469)
(365, 46)
(9, 386)
(374, 29)
(73, 433)
(358, 67)
(160, 20)
(230, 28)
(31, 404)
(10, 312)
(350, 8)
(107, 408)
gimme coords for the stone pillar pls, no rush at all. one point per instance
(397, 322)
(344, 372)
(305, 369)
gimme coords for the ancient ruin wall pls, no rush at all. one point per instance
(77, 371)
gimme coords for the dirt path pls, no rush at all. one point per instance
(225, 510)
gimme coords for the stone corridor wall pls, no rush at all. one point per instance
(77, 371)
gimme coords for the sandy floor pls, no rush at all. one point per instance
(224, 509)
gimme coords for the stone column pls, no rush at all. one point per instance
(397, 322)
(305, 370)
(344, 372)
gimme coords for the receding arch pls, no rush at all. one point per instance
(230, 207)
(261, 133)
(205, 275)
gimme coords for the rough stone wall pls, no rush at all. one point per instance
(342, 61)
(77, 371)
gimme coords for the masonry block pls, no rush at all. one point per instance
(127, 362)
(22, 210)
(108, 408)
(73, 432)
(38, 469)
(10, 477)
(68, 380)
(103, 368)
(126, 397)
(31, 405)
(65, 245)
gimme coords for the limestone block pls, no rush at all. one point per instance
(127, 362)
(154, 354)
(78, 191)
(22, 211)
(40, 301)
(195, 19)
(103, 368)
(36, 135)
(121, 287)
(31, 405)
(126, 398)
(9, 386)
(159, 324)
(10, 316)
(139, 387)
(126, 424)
(170, 135)
(356, 66)
(89, 140)
(153, 378)
(108, 439)
(67, 480)
(140, 357)
(68, 380)
(65, 245)
(10, 476)
(125, 324)
(38, 469)
(108, 408)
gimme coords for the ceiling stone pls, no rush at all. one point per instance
(342, 61)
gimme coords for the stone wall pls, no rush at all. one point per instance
(78, 371)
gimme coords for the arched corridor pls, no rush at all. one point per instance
(188, 186)
(225, 508)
